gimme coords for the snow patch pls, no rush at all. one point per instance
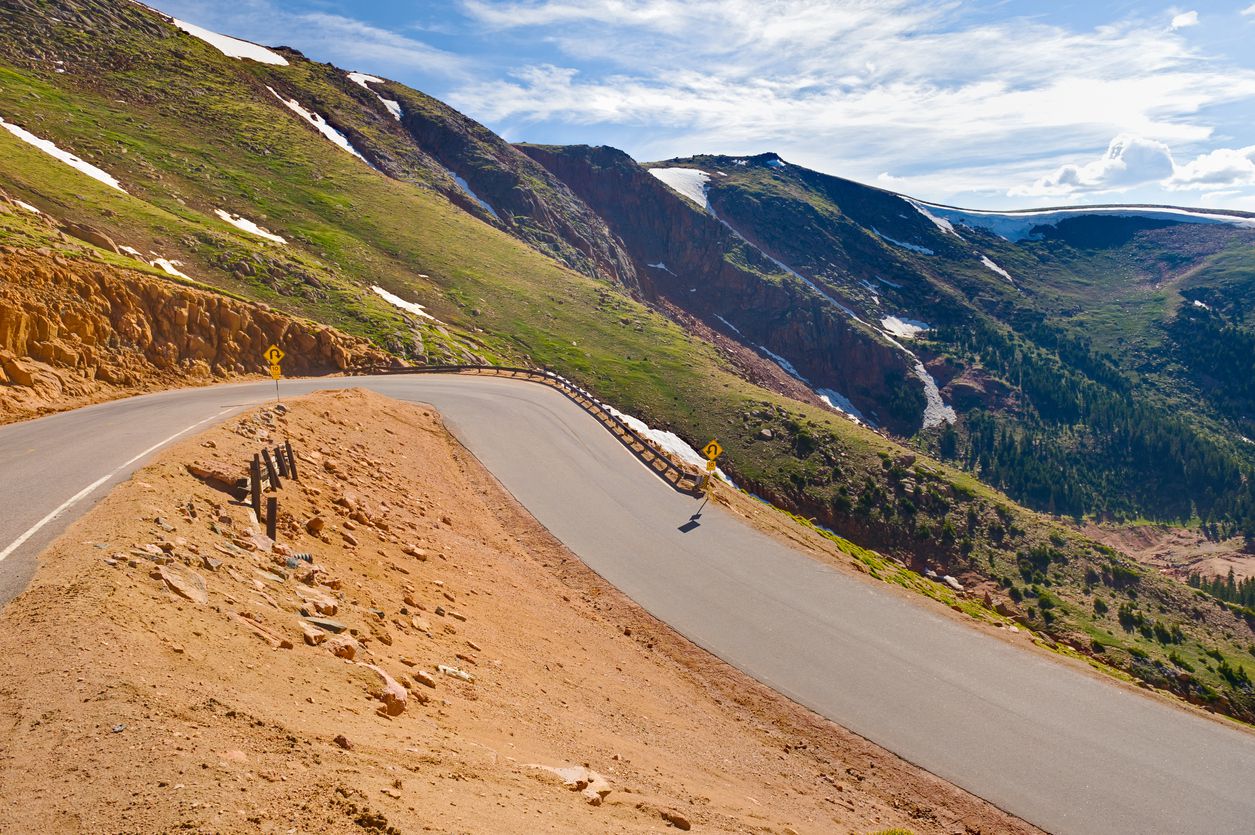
(466, 189)
(936, 411)
(785, 364)
(232, 47)
(776, 163)
(1203, 305)
(248, 226)
(666, 441)
(393, 106)
(889, 283)
(735, 329)
(985, 259)
(131, 251)
(1016, 226)
(833, 399)
(904, 328)
(661, 265)
(923, 250)
(397, 301)
(69, 159)
(940, 222)
(27, 206)
(838, 401)
(690, 182)
(320, 124)
(171, 267)
(364, 81)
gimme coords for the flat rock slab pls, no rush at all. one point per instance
(185, 583)
(328, 624)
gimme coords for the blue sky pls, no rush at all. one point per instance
(985, 104)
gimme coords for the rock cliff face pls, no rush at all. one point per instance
(526, 199)
(72, 332)
(701, 265)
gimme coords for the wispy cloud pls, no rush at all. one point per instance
(862, 88)
(345, 41)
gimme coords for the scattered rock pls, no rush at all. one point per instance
(675, 819)
(313, 635)
(454, 672)
(349, 538)
(185, 583)
(424, 678)
(417, 553)
(315, 525)
(328, 624)
(343, 742)
(342, 646)
(390, 692)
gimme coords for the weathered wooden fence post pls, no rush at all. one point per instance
(255, 485)
(270, 468)
(272, 515)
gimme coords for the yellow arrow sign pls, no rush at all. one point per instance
(273, 355)
(276, 371)
(712, 450)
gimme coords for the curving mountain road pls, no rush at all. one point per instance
(1061, 749)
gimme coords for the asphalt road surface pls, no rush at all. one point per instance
(1058, 747)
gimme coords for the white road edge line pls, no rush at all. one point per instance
(86, 491)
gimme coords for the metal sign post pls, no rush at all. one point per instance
(712, 451)
(274, 355)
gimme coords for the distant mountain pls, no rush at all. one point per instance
(912, 376)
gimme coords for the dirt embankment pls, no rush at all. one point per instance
(1179, 552)
(469, 674)
(77, 332)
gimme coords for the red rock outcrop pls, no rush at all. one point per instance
(73, 332)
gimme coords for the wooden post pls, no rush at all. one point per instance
(287, 445)
(270, 469)
(283, 465)
(255, 485)
(272, 515)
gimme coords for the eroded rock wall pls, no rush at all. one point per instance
(73, 332)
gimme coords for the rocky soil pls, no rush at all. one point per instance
(1179, 552)
(412, 653)
(78, 331)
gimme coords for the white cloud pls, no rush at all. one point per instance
(1185, 20)
(1133, 161)
(1221, 168)
(1249, 11)
(1130, 161)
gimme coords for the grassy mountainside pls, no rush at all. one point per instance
(1086, 379)
(188, 131)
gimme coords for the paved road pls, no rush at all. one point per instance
(1065, 751)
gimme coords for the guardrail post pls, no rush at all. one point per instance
(280, 462)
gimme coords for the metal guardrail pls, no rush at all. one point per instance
(681, 477)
